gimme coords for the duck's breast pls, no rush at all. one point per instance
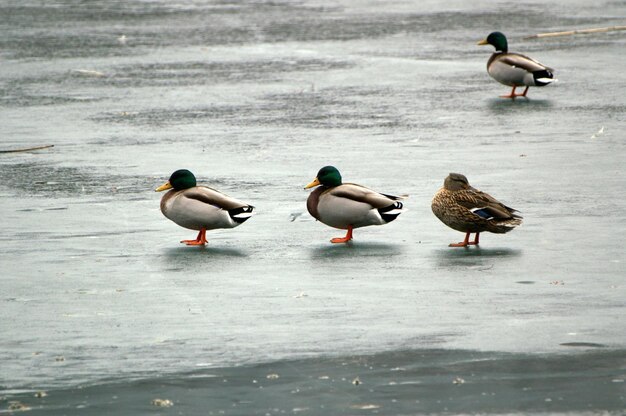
(313, 201)
(451, 213)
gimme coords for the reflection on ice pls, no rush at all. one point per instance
(354, 249)
(185, 254)
(506, 105)
(474, 257)
(478, 252)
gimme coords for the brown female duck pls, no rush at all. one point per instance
(466, 209)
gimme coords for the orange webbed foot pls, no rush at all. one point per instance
(345, 239)
(461, 244)
(466, 242)
(193, 242)
(340, 240)
(512, 94)
(199, 241)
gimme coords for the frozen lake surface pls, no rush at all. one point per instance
(105, 311)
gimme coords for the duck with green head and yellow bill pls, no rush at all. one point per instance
(200, 207)
(514, 69)
(466, 209)
(347, 206)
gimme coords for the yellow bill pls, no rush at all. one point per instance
(312, 184)
(167, 185)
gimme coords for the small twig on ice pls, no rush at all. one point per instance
(28, 149)
(576, 32)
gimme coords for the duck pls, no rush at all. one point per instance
(347, 206)
(466, 209)
(200, 207)
(514, 69)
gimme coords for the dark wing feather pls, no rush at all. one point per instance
(473, 199)
(523, 61)
(362, 194)
(395, 198)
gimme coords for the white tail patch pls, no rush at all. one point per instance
(512, 223)
(395, 211)
(244, 215)
(546, 80)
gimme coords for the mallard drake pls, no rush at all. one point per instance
(514, 69)
(347, 205)
(466, 209)
(200, 207)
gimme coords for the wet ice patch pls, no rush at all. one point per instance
(210, 73)
(351, 108)
(59, 181)
(22, 95)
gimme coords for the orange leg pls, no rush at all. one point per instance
(199, 241)
(345, 239)
(511, 95)
(463, 243)
(466, 242)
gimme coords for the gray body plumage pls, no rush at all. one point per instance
(351, 205)
(516, 70)
(203, 207)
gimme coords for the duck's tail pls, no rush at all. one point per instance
(502, 226)
(240, 215)
(543, 77)
(501, 219)
(391, 212)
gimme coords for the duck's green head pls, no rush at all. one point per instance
(327, 176)
(456, 182)
(497, 40)
(181, 179)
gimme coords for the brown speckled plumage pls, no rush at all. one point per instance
(466, 209)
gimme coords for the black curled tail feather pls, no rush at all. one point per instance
(391, 212)
(240, 215)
